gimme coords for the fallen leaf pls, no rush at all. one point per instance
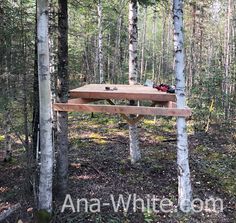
(29, 209)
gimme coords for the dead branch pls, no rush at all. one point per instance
(9, 211)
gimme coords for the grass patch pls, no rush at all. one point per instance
(2, 138)
(160, 138)
(220, 166)
(148, 122)
(97, 138)
(79, 142)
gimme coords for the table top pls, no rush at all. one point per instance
(121, 92)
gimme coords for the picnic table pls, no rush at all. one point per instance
(160, 103)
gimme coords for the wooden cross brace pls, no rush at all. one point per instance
(131, 121)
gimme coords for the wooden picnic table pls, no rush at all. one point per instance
(128, 92)
(82, 97)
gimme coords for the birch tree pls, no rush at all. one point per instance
(100, 43)
(154, 43)
(143, 44)
(117, 63)
(133, 75)
(162, 66)
(192, 70)
(227, 60)
(184, 183)
(46, 158)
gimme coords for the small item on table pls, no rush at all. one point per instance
(109, 89)
(149, 83)
(171, 89)
(166, 88)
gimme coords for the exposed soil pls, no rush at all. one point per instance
(100, 168)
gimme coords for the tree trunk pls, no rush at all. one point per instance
(169, 45)
(46, 158)
(33, 155)
(192, 48)
(133, 71)
(100, 42)
(184, 183)
(53, 47)
(227, 62)
(95, 60)
(118, 48)
(162, 73)
(154, 42)
(8, 140)
(116, 66)
(7, 126)
(202, 32)
(143, 44)
(35, 121)
(62, 97)
(24, 84)
(108, 58)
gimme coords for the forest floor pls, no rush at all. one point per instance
(100, 168)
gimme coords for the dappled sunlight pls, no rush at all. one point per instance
(102, 99)
(4, 206)
(2, 138)
(97, 138)
(75, 165)
(4, 189)
(160, 138)
(83, 177)
(149, 122)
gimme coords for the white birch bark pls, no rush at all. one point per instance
(46, 159)
(133, 44)
(109, 59)
(154, 43)
(227, 61)
(184, 182)
(100, 43)
(117, 66)
(133, 75)
(118, 47)
(162, 67)
(143, 44)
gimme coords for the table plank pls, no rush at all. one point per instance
(123, 92)
(123, 109)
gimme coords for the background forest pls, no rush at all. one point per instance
(209, 45)
(210, 55)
